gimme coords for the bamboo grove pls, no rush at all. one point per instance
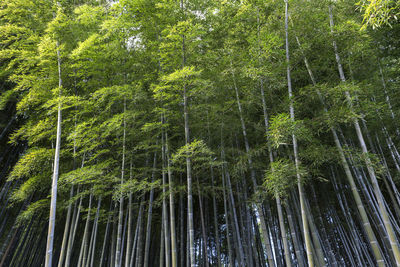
(199, 133)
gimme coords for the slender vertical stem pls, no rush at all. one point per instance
(164, 202)
(130, 220)
(217, 243)
(162, 244)
(53, 202)
(139, 250)
(295, 148)
(121, 199)
(181, 226)
(203, 228)
(149, 215)
(103, 250)
(174, 256)
(230, 258)
(188, 159)
(75, 220)
(94, 231)
(83, 251)
(66, 230)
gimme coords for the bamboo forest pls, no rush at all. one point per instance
(199, 133)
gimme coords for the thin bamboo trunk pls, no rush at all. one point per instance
(216, 227)
(164, 204)
(296, 243)
(188, 159)
(129, 232)
(306, 231)
(286, 250)
(243, 229)
(139, 250)
(332, 259)
(123, 240)
(237, 236)
(130, 221)
(258, 243)
(53, 202)
(135, 239)
(93, 243)
(83, 252)
(66, 230)
(121, 200)
(22, 240)
(15, 232)
(215, 218)
(189, 183)
(149, 214)
(203, 228)
(252, 252)
(315, 237)
(387, 98)
(68, 225)
(26, 249)
(74, 226)
(35, 246)
(5, 130)
(181, 226)
(174, 256)
(226, 221)
(395, 201)
(103, 250)
(162, 244)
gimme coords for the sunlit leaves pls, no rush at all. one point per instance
(172, 85)
(197, 151)
(33, 162)
(134, 186)
(89, 16)
(86, 49)
(30, 186)
(380, 12)
(89, 175)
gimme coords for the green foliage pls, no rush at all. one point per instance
(197, 151)
(134, 186)
(5, 97)
(241, 162)
(318, 154)
(282, 177)
(126, 64)
(359, 160)
(88, 175)
(342, 109)
(379, 12)
(33, 184)
(35, 209)
(35, 161)
(282, 128)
